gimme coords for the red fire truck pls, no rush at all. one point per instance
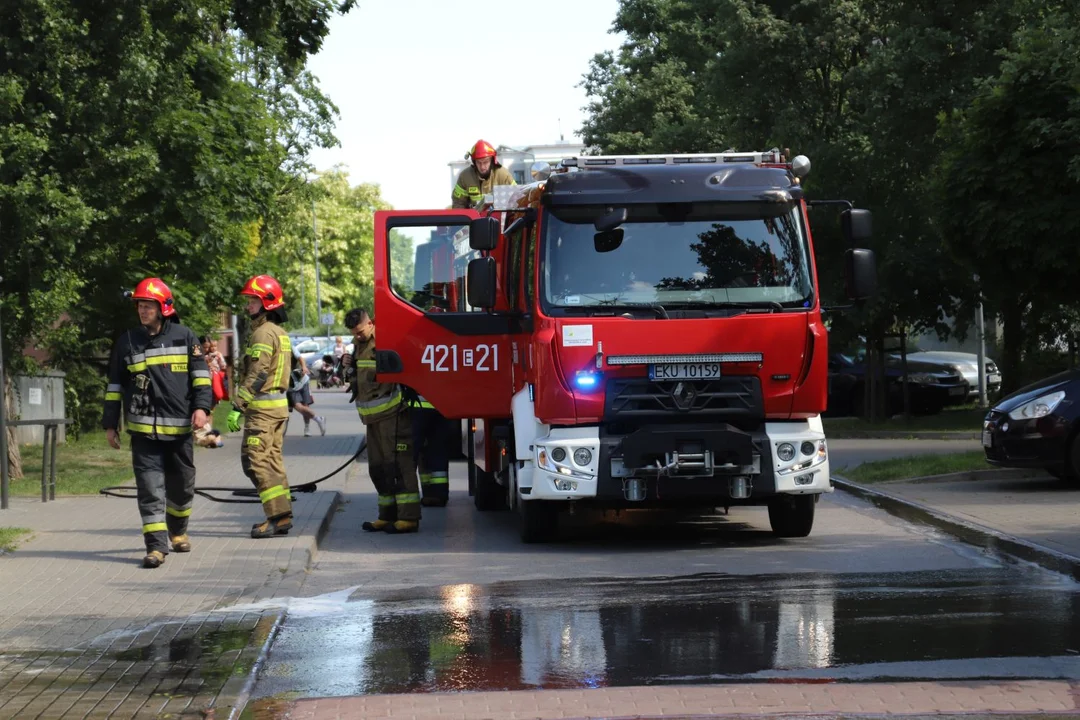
(625, 332)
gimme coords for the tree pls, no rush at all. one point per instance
(344, 219)
(1008, 181)
(145, 138)
(858, 86)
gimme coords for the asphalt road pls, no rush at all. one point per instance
(644, 598)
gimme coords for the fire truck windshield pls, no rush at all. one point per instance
(662, 262)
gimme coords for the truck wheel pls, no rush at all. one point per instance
(792, 516)
(487, 494)
(539, 520)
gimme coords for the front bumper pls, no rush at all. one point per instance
(1036, 443)
(742, 468)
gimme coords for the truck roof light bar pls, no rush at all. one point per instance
(583, 162)
(749, 357)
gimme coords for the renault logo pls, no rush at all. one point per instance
(683, 394)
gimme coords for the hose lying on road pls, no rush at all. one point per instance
(245, 495)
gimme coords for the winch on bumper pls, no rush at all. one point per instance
(676, 464)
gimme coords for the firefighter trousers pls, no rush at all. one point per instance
(392, 468)
(263, 463)
(431, 438)
(165, 482)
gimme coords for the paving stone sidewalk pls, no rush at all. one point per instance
(764, 699)
(82, 624)
(1036, 508)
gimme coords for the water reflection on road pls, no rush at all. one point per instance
(978, 623)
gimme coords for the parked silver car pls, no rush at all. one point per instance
(967, 364)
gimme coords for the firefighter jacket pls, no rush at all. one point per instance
(266, 371)
(470, 189)
(157, 382)
(374, 400)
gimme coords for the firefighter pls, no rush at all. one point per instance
(480, 177)
(158, 379)
(431, 437)
(389, 435)
(260, 397)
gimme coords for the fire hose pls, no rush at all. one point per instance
(241, 495)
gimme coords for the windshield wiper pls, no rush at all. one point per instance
(655, 307)
(610, 308)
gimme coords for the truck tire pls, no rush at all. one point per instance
(487, 494)
(792, 516)
(539, 520)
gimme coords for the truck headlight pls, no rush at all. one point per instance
(554, 460)
(785, 451)
(583, 456)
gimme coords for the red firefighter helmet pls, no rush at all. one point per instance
(159, 292)
(483, 149)
(266, 289)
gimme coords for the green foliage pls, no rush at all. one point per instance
(1008, 180)
(84, 391)
(344, 221)
(84, 465)
(146, 138)
(10, 537)
(917, 466)
(862, 87)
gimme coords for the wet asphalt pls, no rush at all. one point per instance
(1010, 622)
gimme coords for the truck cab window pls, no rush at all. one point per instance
(428, 265)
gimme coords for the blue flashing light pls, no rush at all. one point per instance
(586, 381)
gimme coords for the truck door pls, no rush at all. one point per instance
(427, 335)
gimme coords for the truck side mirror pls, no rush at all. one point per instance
(483, 233)
(480, 282)
(857, 226)
(860, 273)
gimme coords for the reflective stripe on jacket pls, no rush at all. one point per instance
(374, 400)
(156, 383)
(470, 189)
(266, 371)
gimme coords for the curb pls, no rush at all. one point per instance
(972, 475)
(234, 695)
(972, 533)
(903, 435)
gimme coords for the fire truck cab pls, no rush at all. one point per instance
(624, 332)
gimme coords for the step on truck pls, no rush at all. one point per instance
(624, 332)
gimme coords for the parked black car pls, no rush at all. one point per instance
(930, 386)
(1038, 426)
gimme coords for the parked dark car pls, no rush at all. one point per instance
(1037, 427)
(930, 386)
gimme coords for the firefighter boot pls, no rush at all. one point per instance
(180, 543)
(273, 526)
(153, 559)
(376, 525)
(403, 526)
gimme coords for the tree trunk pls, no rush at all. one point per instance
(1012, 347)
(14, 458)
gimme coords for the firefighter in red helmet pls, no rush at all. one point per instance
(159, 383)
(480, 177)
(260, 398)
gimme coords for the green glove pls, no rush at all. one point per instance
(233, 421)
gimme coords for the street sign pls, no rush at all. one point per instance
(326, 319)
